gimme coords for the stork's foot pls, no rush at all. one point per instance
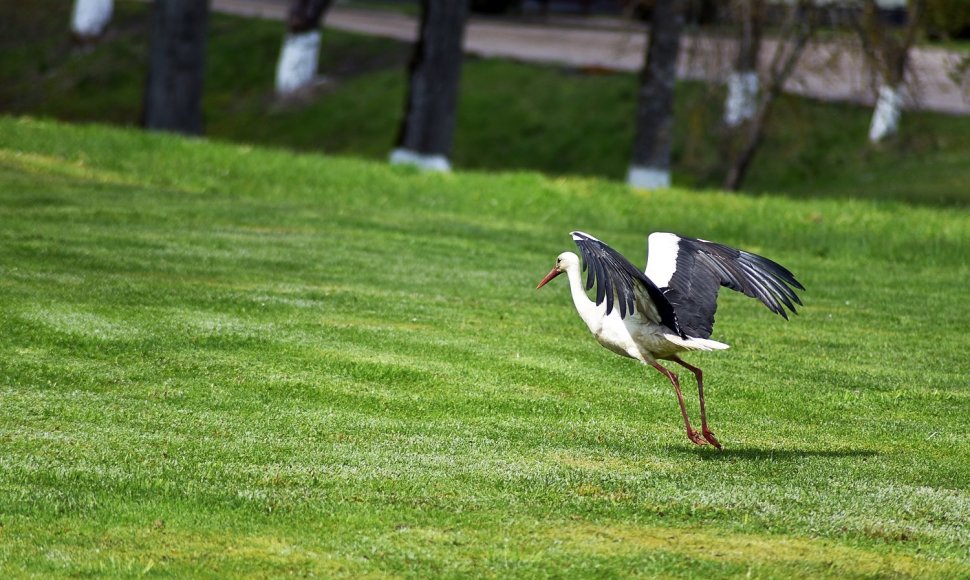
(711, 439)
(695, 437)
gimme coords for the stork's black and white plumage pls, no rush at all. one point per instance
(669, 308)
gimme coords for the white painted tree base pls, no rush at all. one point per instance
(648, 177)
(420, 160)
(297, 65)
(90, 17)
(885, 118)
(741, 103)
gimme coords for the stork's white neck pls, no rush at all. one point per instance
(591, 314)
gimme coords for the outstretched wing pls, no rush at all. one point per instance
(621, 284)
(689, 272)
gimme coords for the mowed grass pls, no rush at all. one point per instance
(221, 360)
(511, 116)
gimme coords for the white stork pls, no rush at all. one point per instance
(670, 307)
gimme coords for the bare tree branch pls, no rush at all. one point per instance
(799, 27)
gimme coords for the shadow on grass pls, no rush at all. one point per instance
(762, 454)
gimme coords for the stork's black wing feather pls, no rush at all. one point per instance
(689, 272)
(618, 282)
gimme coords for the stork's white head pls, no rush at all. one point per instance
(564, 262)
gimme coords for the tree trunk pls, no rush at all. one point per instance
(885, 117)
(300, 54)
(738, 169)
(173, 99)
(650, 162)
(798, 28)
(888, 55)
(428, 127)
(741, 103)
(89, 19)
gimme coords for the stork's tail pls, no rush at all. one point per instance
(696, 343)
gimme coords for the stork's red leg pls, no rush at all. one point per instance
(700, 392)
(691, 434)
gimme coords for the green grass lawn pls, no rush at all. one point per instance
(224, 360)
(511, 116)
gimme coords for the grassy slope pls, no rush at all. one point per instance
(511, 115)
(218, 359)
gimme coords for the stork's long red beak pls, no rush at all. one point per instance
(552, 274)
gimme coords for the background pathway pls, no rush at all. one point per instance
(827, 71)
